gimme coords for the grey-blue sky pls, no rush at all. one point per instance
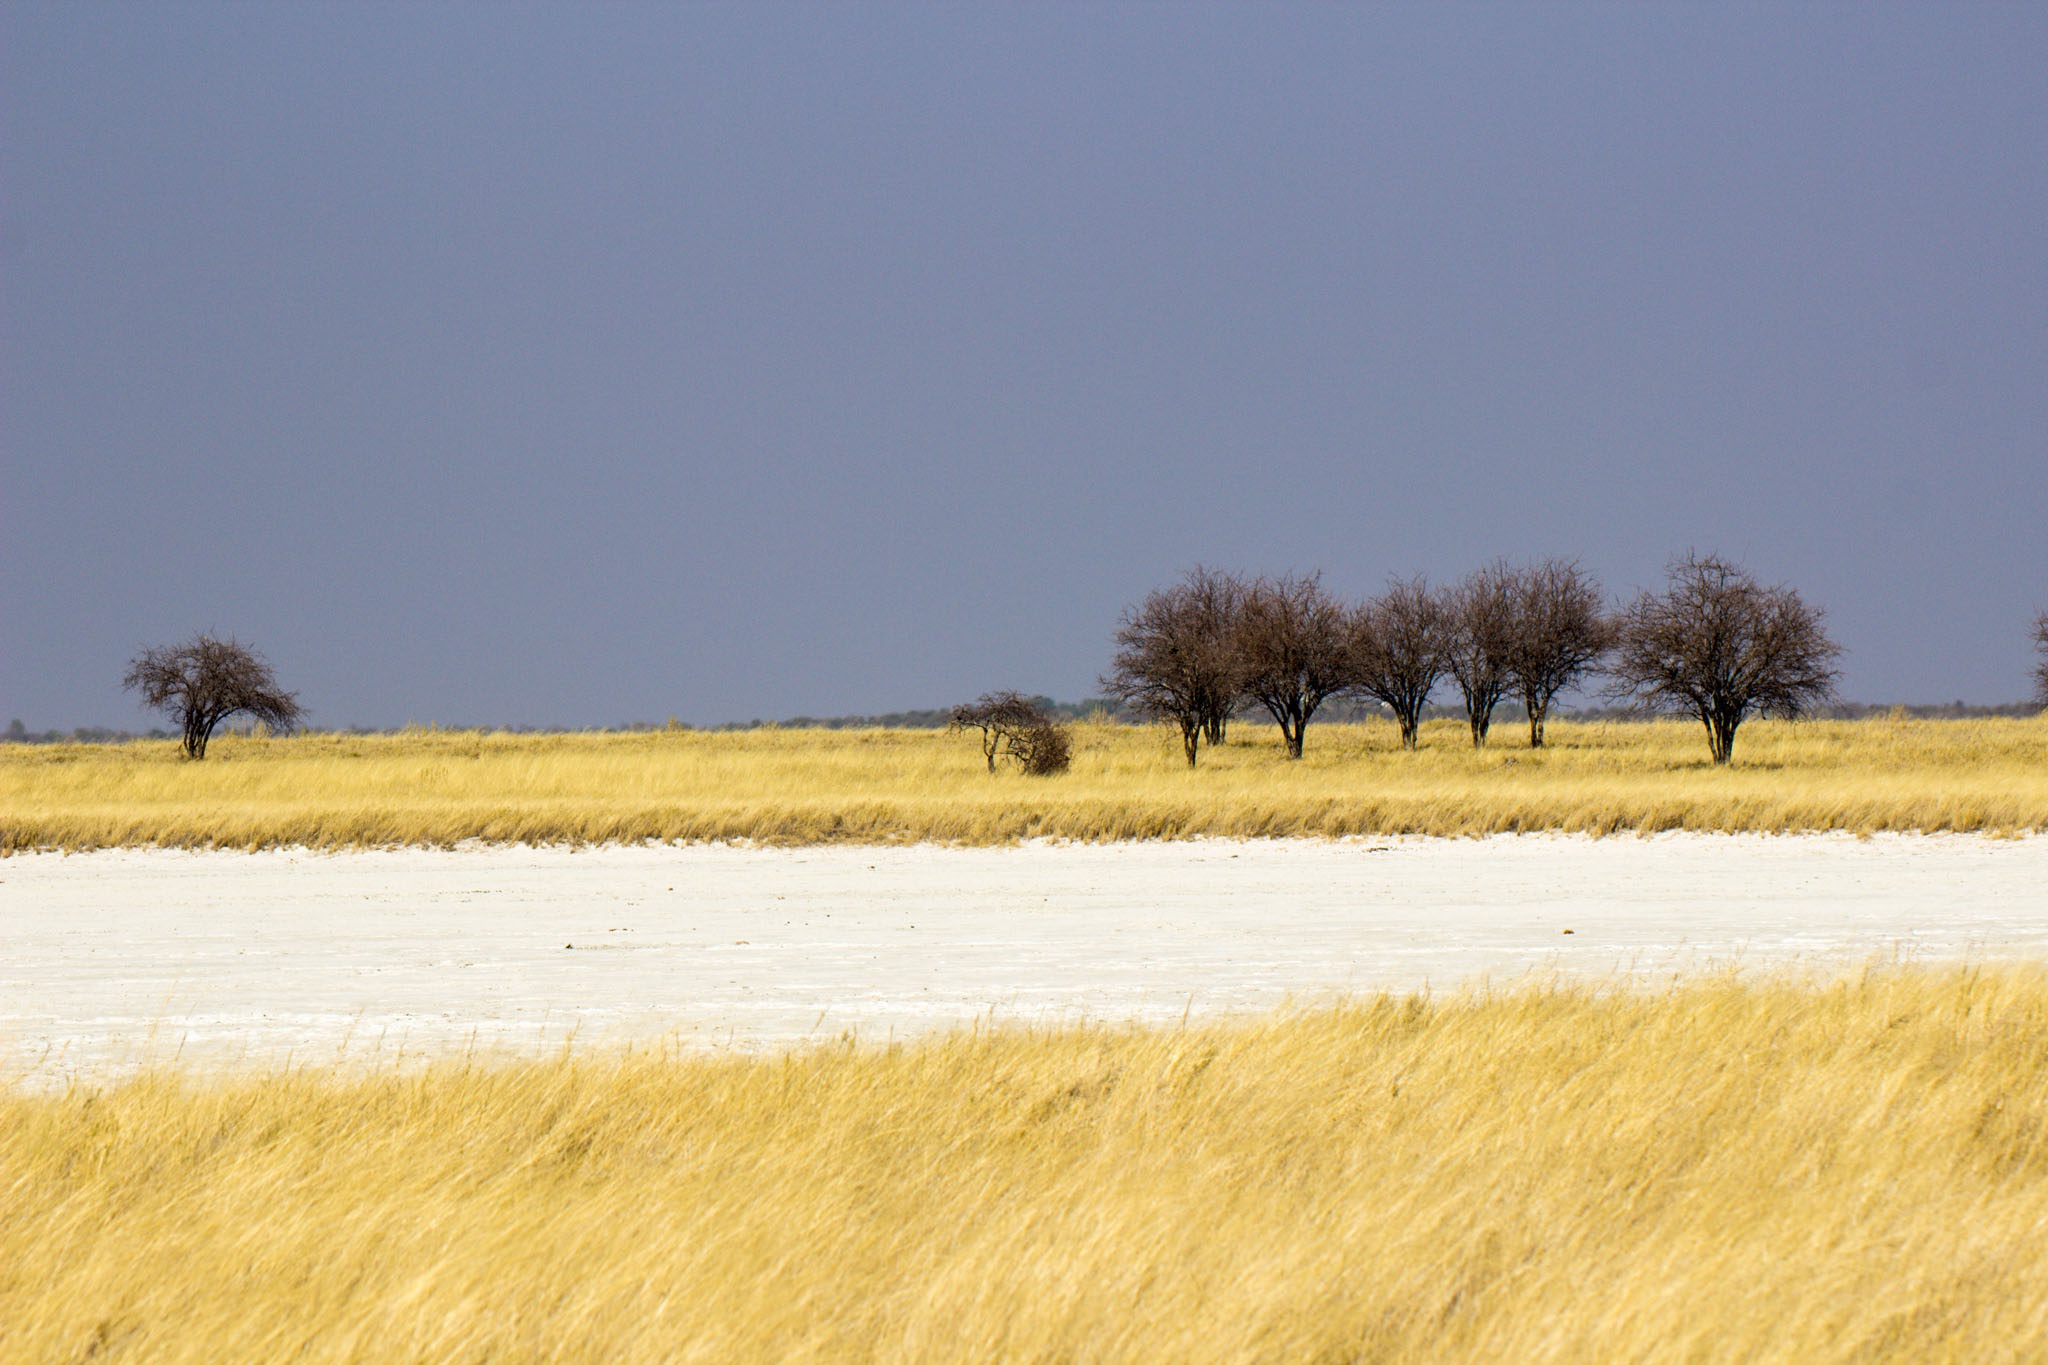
(579, 364)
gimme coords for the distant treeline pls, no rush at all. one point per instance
(17, 733)
(1105, 708)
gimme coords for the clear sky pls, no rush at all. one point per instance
(575, 364)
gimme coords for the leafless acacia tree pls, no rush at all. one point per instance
(1400, 649)
(1015, 726)
(1176, 656)
(1293, 642)
(202, 683)
(1218, 601)
(1560, 636)
(2041, 667)
(1720, 646)
(1481, 614)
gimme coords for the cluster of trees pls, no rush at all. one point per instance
(1716, 645)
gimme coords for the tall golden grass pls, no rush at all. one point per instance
(1756, 1170)
(879, 786)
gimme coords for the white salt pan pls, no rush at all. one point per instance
(109, 959)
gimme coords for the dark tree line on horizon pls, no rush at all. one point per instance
(1716, 645)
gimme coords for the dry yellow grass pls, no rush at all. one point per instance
(441, 787)
(1727, 1170)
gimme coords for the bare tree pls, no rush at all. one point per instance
(1176, 656)
(202, 683)
(2041, 667)
(1218, 602)
(1560, 636)
(1294, 645)
(1480, 634)
(1400, 648)
(1720, 646)
(1015, 726)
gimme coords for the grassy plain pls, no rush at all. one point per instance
(1760, 1170)
(885, 786)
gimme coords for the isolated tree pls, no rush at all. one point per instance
(200, 684)
(1560, 635)
(1176, 656)
(1293, 643)
(2041, 667)
(1015, 726)
(1481, 614)
(1400, 648)
(1722, 647)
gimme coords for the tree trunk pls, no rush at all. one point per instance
(1214, 728)
(1409, 725)
(1293, 736)
(1721, 733)
(1190, 737)
(1536, 714)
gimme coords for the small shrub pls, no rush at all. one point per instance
(1044, 749)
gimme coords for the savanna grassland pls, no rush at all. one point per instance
(882, 786)
(1726, 1169)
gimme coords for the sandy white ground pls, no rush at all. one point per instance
(107, 959)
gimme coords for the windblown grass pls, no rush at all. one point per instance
(878, 786)
(1729, 1170)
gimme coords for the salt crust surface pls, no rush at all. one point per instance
(121, 958)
